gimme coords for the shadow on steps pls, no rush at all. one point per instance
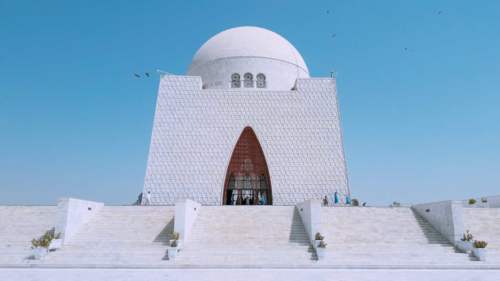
(164, 235)
(431, 234)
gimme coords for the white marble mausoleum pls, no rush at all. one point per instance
(246, 121)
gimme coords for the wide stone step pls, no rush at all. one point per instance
(246, 235)
(114, 247)
(253, 237)
(129, 254)
(99, 261)
(236, 243)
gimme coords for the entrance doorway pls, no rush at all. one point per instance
(247, 179)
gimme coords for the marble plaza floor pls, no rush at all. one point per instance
(246, 274)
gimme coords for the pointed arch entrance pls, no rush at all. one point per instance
(247, 178)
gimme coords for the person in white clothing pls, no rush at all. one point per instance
(148, 198)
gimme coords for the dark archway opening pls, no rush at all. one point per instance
(247, 178)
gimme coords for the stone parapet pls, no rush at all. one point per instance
(445, 216)
(72, 214)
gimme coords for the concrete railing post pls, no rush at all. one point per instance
(72, 214)
(186, 213)
(310, 214)
(445, 216)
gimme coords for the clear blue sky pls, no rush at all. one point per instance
(420, 124)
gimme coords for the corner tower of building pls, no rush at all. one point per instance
(246, 125)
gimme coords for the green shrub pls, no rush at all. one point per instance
(319, 236)
(45, 239)
(480, 244)
(355, 202)
(175, 236)
(472, 201)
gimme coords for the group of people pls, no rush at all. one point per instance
(147, 199)
(234, 197)
(246, 197)
(240, 197)
(336, 199)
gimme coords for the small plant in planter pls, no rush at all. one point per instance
(172, 250)
(41, 246)
(317, 239)
(472, 201)
(479, 250)
(318, 236)
(480, 244)
(396, 204)
(175, 236)
(465, 243)
(484, 202)
(320, 250)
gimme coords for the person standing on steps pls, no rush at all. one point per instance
(264, 198)
(261, 200)
(148, 198)
(335, 198)
(325, 201)
(139, 199)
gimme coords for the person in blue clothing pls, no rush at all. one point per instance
(262, 198)
(336, 198)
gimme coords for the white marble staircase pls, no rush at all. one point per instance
(18, 226)
(119, 235)
(392, 237)
(247, 236)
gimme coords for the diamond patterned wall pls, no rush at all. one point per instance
(196, 130)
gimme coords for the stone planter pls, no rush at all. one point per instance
(479, 253)
(179, 243)
(320, 252)
(55, 244)
(38, 253)
(465, 246)
(316, 243)
(172, 253)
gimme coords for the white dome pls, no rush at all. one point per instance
(251, 50)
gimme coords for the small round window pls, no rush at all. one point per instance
(235, 80)
(261, 80)
(248, 80)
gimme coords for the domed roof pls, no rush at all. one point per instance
(248, 42)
